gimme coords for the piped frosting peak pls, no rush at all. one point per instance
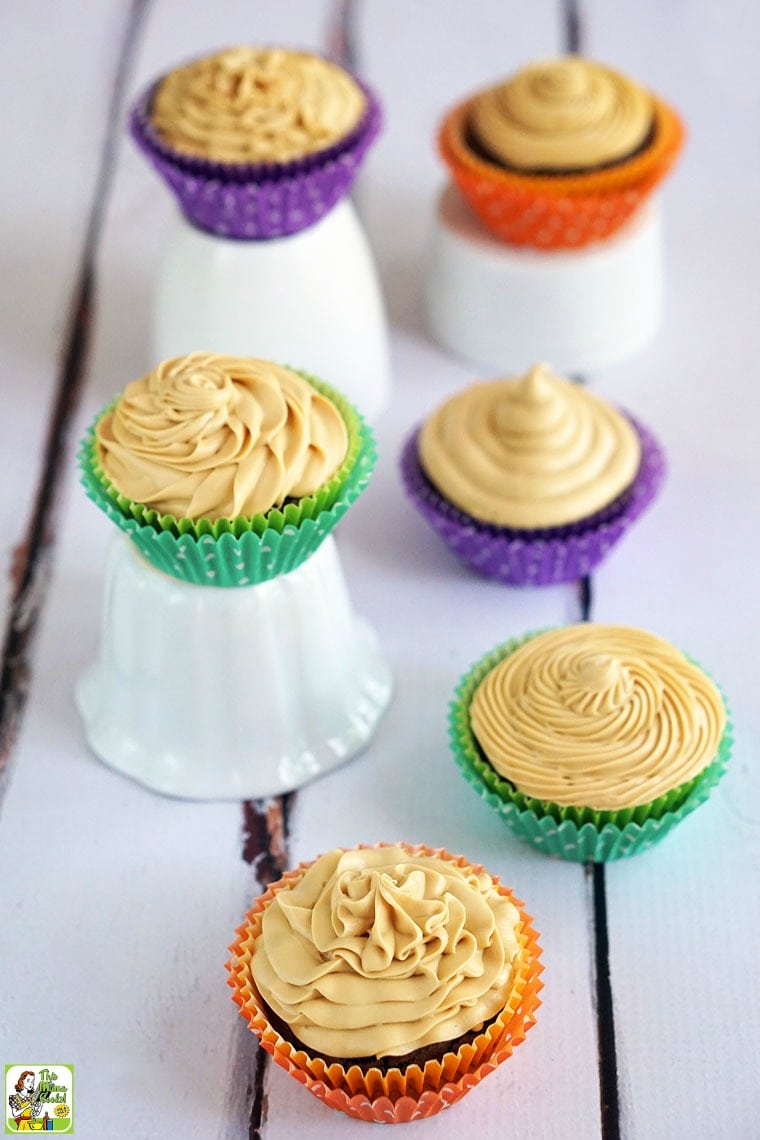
(530, 451)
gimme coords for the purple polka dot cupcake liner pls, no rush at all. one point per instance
(257, 201)
(545, 557)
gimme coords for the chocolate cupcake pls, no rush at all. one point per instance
(389, 980)
(591, 741)
(560, 154)
(257, 142)
(226, 470)
(531, 480)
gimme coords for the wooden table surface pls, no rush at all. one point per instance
(117, 904)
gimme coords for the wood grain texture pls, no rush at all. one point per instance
(441, 617)
(35, 441)
(606, 1038)
(265, 848)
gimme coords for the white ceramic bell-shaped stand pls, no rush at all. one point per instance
(504, 307)
(311, 300)
(214, 693)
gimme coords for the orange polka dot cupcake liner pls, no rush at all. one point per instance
(408, 1092)
(561, 211)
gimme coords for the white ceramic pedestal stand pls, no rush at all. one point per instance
(506, 307)
(222, 693)
(311, 300)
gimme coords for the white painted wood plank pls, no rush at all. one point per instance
(120, 905)
(50, 164)
(138, 898)
(684, 918)
(435, 617)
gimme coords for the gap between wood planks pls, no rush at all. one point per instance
(573, 40)
(32, 558)
(265, 848)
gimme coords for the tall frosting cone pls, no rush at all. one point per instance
(529, 451)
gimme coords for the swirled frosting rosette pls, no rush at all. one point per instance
(226, 470)
(564, 115)
(531, 479)
(561, 154)
(389, 980)
(251, 104)
(207, 437)
(591, 741)
(257, 142)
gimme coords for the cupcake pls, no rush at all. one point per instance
(531, 479)
(226, 470)
(561, 154)
(257, 142)
(592, 741)
(388, 980)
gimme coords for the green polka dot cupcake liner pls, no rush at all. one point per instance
(240, 551)
(579, 834)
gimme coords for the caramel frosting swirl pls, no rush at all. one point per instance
(252, 104)
(206, 436)
(529, 452)
(561, 115)
(378, 951)
(600, 716)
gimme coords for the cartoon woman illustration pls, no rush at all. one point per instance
(25, 1105)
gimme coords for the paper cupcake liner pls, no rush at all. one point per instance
(561, 211)
(240, 551)
(256, 201)
(579, 834)
(408, 1092)
(544, 557)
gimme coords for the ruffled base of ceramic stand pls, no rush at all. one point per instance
(505, 307)
(311, 300)
(232, 693)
